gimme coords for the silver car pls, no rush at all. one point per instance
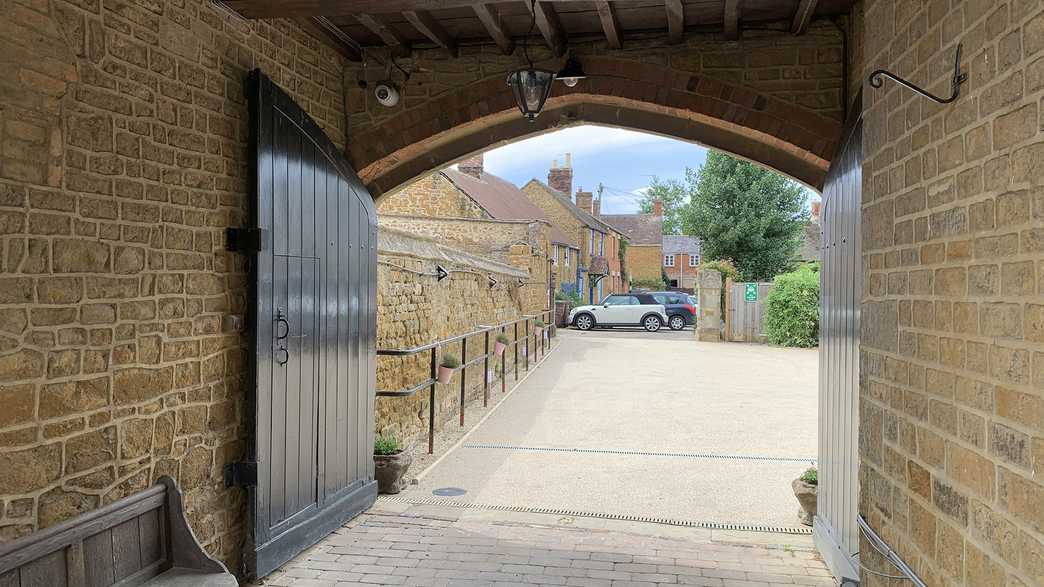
(633, 309)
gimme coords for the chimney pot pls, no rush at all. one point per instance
(561, 178)
(657, 207)
(584, 201)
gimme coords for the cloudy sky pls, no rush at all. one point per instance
(622, 160)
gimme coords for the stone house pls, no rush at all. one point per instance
(681, 260)
(811, 236)
(470, 192)
(600, 270)
(644, 234)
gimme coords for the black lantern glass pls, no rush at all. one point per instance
(531, 88)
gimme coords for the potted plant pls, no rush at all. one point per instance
(447, 366)
(539, 324)
(390, 463)
(501, 344)
(805, 491)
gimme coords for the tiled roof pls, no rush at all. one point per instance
(640, 229)
(674, 244)
(580, 215)
(503, 201)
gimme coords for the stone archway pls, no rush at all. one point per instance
(763, 128)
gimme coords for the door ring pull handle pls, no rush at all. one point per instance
(281, 320)
(286, 355)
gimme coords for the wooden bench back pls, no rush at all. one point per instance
(127, 543)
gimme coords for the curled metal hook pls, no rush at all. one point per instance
(958, 79)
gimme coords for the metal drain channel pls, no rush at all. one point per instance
(642, 453)
(601, 515)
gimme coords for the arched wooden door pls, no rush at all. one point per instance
(315, 331)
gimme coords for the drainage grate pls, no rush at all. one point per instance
(601, 515)
(609, 451)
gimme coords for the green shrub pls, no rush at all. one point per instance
(572, 296)
(386, 445)
(792, 309)
(503, 338)
(723, 266)
(810, 476)
(450, 361)
(539, 323)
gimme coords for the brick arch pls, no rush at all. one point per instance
(627, 94)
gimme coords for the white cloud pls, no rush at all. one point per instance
(581, 141)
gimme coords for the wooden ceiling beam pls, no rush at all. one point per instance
(327, 31)
(803, 16)
(429, 26)
(550, 26)
(731, 18)
(609, 23)
(387, 34)
(675, 20)
(490, 18)
(336, 8)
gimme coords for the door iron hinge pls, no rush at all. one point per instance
(241, 474)
(243, 240)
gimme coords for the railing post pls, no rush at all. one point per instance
(514, 345)
(431, 402)
(527, 344)
(485, 374)
(463, 375)
(503, 366)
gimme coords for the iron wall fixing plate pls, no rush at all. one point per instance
(955, 84)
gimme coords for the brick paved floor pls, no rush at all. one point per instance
(397, 544)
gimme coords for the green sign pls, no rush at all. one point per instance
(750, 292)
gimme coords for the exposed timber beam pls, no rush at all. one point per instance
(423, 21)
(731, 19)
(675, 20)
(609, 24)
(327, 31)
(385, 32)
(550, 26)
(803, 16)
(490, 18)
(332, 8)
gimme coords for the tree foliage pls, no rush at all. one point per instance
(674, 196)
(792, 308)
(745, 213)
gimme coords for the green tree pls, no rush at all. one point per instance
(673, 195)
(746, 214)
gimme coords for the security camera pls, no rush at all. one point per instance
(386, 94)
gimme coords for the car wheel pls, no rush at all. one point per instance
(676, 322)
(584, 322)
(652, 323)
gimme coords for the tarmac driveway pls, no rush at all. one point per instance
(626, 422)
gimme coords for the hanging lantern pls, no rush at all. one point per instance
(531, 87)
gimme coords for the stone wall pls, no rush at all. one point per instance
(432, 195)
(122, 160)
(644, 261)
(952, 352)
(492, 238)
(414, 309)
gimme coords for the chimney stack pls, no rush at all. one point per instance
(584, 201)
(597, 207)
(657, 207)
(472, 166)
(561, 178)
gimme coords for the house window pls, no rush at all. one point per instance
(590, 242)
(668, 260)
(601, 244)
(554, 253)
(694, 260)
(568, 253)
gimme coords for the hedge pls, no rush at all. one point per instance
(792, 308)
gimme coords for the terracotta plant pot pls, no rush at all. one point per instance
(445, 374)
(498, 348)
(389, 470)
(806, 496)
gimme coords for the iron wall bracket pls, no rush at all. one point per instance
(955, 84)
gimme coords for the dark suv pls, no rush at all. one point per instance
(680, 311)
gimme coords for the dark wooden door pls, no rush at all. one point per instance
(315, 324)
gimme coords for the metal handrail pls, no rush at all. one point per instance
(431, 382)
